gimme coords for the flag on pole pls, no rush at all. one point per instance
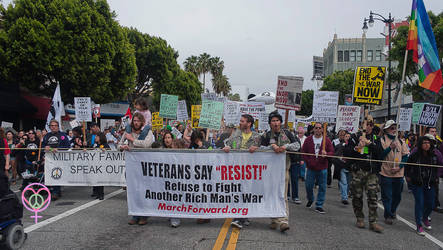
(56, 109)
(126, 119)
(422, 41)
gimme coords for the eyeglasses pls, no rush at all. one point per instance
(317, 128)
(53, 125)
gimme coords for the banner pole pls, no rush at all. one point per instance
(286, 118)
(84, 132)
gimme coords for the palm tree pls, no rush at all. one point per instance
(191, 65)
(221, 84)
(204, 66)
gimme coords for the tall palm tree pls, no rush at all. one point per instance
(204, 66)
(191, 65)
(221, 84)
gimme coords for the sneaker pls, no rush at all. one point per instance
(237, 224)
(175, 222)
(133, 222)
(427, 224)
(388, 221)
(284, 227)
(309, 204)
(297, 201)
(375, 227)
(273, 225)
(345, 202)
(360, 223)
(429, 218)
(320, 210)
(143, 221)
(420, 231)
(438, 209)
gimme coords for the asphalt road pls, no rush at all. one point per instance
(77, 221)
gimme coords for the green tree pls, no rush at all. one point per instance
(204, 66)
(307, 97)
(341, 81)
(191, 65)
(76, 43)
(234, 97)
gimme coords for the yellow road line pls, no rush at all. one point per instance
(233, 239)
(222, 235)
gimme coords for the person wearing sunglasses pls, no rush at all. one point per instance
(395, 151)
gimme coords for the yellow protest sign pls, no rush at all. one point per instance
(290, 124)
(368, 85)
(195, 115)
(157, 121)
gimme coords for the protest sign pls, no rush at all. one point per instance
(348, 118)
(212, 97)
(7, 124)
(231, 113)
(417, 108)
(211, 114)
(368, 85)
(182, 111)
(429, 115)
(157, 121)
(74, 123)
(85, 168)
(195, 115)
(106, 123)
(96, 111)
(404, 119)
(168, 106)
(255, 109)
(83, 109)
(324, 107)
(176, 133)
(263, 124)
(289, 89)
(206, 184)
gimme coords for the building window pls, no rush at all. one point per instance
(370, 55)
(359, 55)
(340, 56)
(346, 56)
(352, 56)
(378, 55)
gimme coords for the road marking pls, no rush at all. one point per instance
(411, 225)
(70, 212)
(233, 239)
(222, 235)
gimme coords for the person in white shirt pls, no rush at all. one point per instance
(302, 137)
(112, 141)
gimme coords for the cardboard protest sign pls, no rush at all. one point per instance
(83, 109)
(348, 118)
(176, 133)
(263, 124)
(195, 115)
(289, 89)
(157, 121)
(252, 108)
(324, 107)
(429, 115)
(417, 108)
(182, 111)
(368, 85)
(211, 114)
(7, 124)
(168, 106)
(96, 111)
(404, 119)
(232, 113)
(106, 123)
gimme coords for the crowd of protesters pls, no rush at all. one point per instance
(356, 160)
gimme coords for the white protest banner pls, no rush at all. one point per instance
(232, 113)
(429, 115)
(324, 107)
(85, 168)
(206, 184)
(263, 124)
(212, 97)
(83, 111)
(176, 133)
(252, 108)
(182, 111)
(404, 119)
(7, 124)
(289, 89)
(348, 118)
(106, 123)
(74, 123)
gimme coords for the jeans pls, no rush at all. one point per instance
(391, 189)
(344, 184)
(294, 174)
(424, 202)
(329, 180)
(319, 176)
(303, 171)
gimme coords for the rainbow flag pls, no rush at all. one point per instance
(422, 41)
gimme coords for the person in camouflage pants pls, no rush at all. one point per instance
(364, 174)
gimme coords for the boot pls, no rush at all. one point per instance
(360, 223)
(284, 227)
(375, 227)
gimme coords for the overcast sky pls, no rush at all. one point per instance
(258, 39)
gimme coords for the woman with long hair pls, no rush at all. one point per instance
(11, 140)
(422, 180)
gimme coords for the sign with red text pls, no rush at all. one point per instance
(289, 89)
(206, 184)
(348, 118)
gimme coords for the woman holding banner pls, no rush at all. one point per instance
(136, 139)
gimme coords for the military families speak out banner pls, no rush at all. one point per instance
(206, 184)
(85, 168)
(368, 85)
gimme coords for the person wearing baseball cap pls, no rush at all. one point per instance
(391, 181)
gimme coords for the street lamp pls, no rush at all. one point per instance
(388, 21)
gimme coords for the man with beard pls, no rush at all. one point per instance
(136, 139)
(243, 139)
(53, 140)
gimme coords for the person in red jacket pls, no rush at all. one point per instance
(318, 147)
